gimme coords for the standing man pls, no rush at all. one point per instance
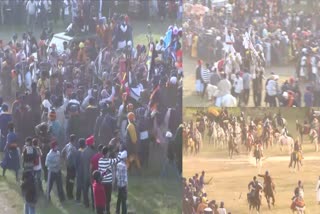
(86, 157)
(229, 41)
(122, 181)
(69, 153)
(257, 88)
(199, 85)
(5, 119)
(53, 162)
(105, 167)
(205, 78)
(31, 9)
(238, 88)
(246, 87)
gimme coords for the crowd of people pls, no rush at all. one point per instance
(43, 12)
(106, 116)
(195, 199)
(247, 37)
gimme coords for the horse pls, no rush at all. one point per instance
(302, 129)
(258, 155)
(250, 142)
(221, 137)
(185, 139)
(232, 147)
(254, 200)
(314, 138)
(198, 140)
(269, 193)
(286, 140)
(296, 159)
(268, 137)
(279, 121)
(298, 205)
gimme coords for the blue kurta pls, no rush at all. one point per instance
(11, 157)
(5, 118)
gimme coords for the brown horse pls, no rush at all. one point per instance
(302, 129)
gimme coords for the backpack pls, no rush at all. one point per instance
(29, 156)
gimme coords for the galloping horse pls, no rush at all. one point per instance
(255, 200)
(296, 159)
(258, 154)
(288, 141)
(232, 147)
(250, 142)
(268, 137)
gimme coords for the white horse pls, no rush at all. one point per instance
(221, 137)
(213, 136)
(286, 141)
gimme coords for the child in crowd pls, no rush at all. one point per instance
(98, 192)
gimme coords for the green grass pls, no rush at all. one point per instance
(147, 193)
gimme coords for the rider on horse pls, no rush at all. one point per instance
(299, 190)
(268, 186)
(297, 199)
(252, 127)
(297, 153)
(285, 132)
(258, 151)
(252, 187)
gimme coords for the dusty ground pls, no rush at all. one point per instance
(190, 99)
(231, 176)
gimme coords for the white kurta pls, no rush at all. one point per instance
(318, 191)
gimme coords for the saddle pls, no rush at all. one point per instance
(298, 202)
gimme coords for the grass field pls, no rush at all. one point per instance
(231, 176)
(147, 193)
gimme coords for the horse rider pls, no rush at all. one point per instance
(284, 132)
(252, 126)
(268, 186)
(252, 187)
(258, 149)
(299, 190)
(315, 124)
(297, 152)
(266, 127)
(279, 119)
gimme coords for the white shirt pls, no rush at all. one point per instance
(272, 88)
(238, 85)
(46, 104)
(31, 7)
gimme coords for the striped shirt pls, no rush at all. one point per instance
(205, 75)
(105, 167)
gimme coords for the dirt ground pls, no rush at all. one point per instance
(190, 99)
(230, 177)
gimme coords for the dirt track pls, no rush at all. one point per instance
(230, 178)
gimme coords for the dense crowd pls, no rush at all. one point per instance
(195, 199)
(99, 118)
(248, 36)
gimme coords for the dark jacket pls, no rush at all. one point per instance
(28, 188)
